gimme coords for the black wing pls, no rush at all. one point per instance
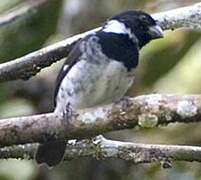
(71, 60)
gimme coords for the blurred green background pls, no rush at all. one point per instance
(169, 65)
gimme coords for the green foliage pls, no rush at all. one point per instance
(29, 33)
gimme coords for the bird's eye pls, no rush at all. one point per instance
(143, 18)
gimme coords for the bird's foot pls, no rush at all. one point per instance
(68, 112)
(124, 102)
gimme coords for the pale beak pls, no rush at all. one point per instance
(156, 32)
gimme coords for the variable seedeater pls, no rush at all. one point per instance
(100, 69)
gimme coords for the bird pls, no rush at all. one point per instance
(99, 70)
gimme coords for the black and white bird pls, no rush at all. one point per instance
(100, 69)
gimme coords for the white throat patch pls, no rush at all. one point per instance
(114, 26)
(117, 27)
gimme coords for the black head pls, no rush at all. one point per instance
(140, 24)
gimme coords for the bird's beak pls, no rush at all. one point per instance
(156, 32)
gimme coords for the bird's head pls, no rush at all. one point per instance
(138, 25)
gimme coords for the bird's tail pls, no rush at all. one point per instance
(50, 153)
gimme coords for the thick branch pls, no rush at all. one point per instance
(143, 111)
(29, 65)
(20, 11)
(101, 148)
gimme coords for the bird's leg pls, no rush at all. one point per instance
(68, 112)
(124, 101)
(124, 98)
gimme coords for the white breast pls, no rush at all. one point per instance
(91, 84)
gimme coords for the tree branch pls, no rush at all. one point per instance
(31, 64)
(20, 11)
(101, 148)
(143, 111)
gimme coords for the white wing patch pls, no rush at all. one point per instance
(65, 67)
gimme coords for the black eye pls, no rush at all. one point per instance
(144, 19)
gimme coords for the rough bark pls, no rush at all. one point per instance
(101, 148)
(142, 111)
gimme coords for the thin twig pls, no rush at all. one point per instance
(20, 11)
(29, 65)
(101, 148)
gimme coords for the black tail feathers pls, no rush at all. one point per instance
(50, 153)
